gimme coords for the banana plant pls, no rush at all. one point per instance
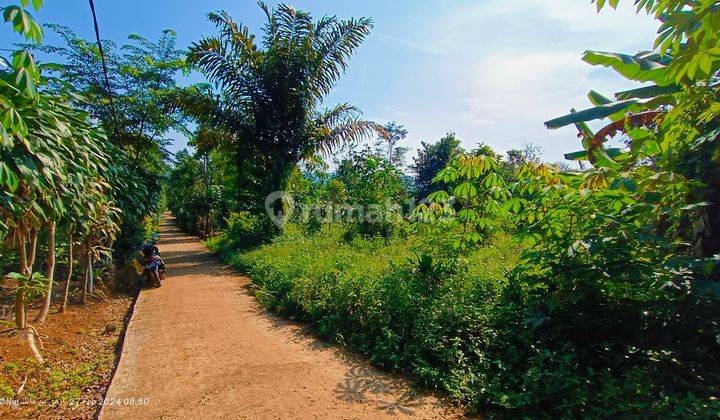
(686, 57)
(629, 110)
(669, 126)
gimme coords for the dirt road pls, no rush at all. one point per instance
(201, 347)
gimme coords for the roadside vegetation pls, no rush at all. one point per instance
(518, 287)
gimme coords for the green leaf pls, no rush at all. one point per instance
(650, 148)
(492, 180)
(647, 92)
(465, 189)
(642, 67)
(438, 196)
(598, 99)
(590, 114)
(16, 276)
(626, 184)
(467, 215)
(617, 153)
(23, 23)
(11, 180)
(705, 64)
(25, 81)
(579, 155)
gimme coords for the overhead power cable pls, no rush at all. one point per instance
(105, 71)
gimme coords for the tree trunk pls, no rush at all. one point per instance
(20, 315)
(280, 169)
(33, 249)
(86, 274)
(30, 338)
(49, 273)
(206, 176)
(20, 320)
(91, 279)
(63, 307)
(88, 269)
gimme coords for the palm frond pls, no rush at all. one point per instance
(271, 26)
(334, 44)
(338, 125)
(207, 138)
(202, 104)
(227, 59)
(292, 25)
(337, 114)
(322, 24)
(234, 35)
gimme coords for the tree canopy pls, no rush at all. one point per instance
(269, 91)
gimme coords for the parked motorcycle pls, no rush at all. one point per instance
(149, 263)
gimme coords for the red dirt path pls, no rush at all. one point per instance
(201, 347)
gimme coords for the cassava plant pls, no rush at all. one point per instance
(454, 222)
(54, 168)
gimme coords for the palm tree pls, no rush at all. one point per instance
(268, 98)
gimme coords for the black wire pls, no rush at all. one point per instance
(105, 71)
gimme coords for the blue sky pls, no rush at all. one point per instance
(489, 70)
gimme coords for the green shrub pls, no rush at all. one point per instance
(368, 294)
(6, 391)
(244, 230)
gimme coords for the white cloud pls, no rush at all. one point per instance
(580, 16)
(418, 46)
(511, 86)
(507, 96)
(456, 30)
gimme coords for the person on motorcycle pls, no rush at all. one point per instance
(152, 261)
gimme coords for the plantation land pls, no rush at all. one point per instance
(365, 293)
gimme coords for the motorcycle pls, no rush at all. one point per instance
(151, 263)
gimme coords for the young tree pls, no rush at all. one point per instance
(142, 78)
(49, 153)
(430, 160)
(455, 221)
(387, 143)
(375, 191)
